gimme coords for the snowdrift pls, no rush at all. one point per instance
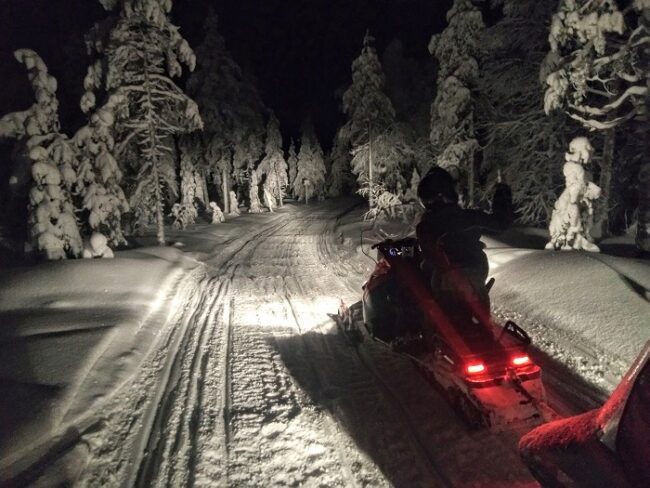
(71, 332)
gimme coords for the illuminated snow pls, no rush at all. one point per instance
(301, 407)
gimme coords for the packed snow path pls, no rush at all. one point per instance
(255, 386)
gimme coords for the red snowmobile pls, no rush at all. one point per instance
(483, 368)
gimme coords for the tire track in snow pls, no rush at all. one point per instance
(421, 434)
(170, 437)
(282, 435)
(326, 284)
(180, 447)
(329, 424)
(326, 251)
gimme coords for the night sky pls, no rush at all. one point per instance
(299, 51)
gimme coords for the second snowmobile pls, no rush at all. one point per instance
(482, 367)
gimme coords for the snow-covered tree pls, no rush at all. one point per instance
(408, 85)
(572, 219)
(52, 220)
(520, 142)
(193, 182)
(142, 52)
(457, 50)
(310, 173)
(96, 246)
(232, 110)
(99, 176)
(376, 141)
(340, 178)
(233, 203)
(600, 78)
(597, 72)
(273, 167)
(217, 214)
(254, 193)
(292, 163)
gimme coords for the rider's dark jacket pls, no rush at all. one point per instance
(450, 235)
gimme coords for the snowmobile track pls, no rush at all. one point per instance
(407, 418)
(171, 430)
(171, 450)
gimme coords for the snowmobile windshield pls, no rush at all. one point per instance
(394, 229)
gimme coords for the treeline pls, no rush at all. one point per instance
(497, 101)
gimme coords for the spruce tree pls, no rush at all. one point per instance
(520, 142)
(292, 163)
(140, 55)
(376, 142)
(232, 141)
(310, 174)
(99, 176)
(51, 214)
(273, 167)
(255, 206)
(339, 177)
(408, 85)
(457, 50)
(193, 185)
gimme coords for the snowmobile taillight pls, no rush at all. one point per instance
(520, 360)
(475, 368)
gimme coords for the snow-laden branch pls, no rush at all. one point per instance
(630, 92)
(599, 125)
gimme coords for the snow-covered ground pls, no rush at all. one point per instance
(71, 333)
(587, 311)
(215, 362)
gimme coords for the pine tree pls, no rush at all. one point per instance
(339, 177)
(193, 181)
(254, 193)
(142, 52)
(231, 107)
(51, 218)
(310, 174)
(292, 163)
(273, 167)
(520, 142)
(597, 72)
(457, 50)
(98, 175)
(409, 88)
(377, 144)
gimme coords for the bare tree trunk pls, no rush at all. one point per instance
(204, 189)
(370, 200)
(277, 179)
(224, 190)
(605, 183)
(470, 184)
(643, 224)
(154, 163)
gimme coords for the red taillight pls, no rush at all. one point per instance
(475, 368)
(520, 360)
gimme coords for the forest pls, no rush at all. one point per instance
(169, 133)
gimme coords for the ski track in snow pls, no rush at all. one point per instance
(253, 385)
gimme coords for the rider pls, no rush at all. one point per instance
(449, 237)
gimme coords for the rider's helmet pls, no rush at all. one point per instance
(437, 187)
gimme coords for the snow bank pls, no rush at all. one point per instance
(596, 303)
(72, 332)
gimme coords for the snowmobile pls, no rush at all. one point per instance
(482, 368)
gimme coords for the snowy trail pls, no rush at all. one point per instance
(255, 386)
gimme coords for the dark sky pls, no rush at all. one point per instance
(299, 51)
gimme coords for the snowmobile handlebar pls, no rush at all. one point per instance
(516, 331)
